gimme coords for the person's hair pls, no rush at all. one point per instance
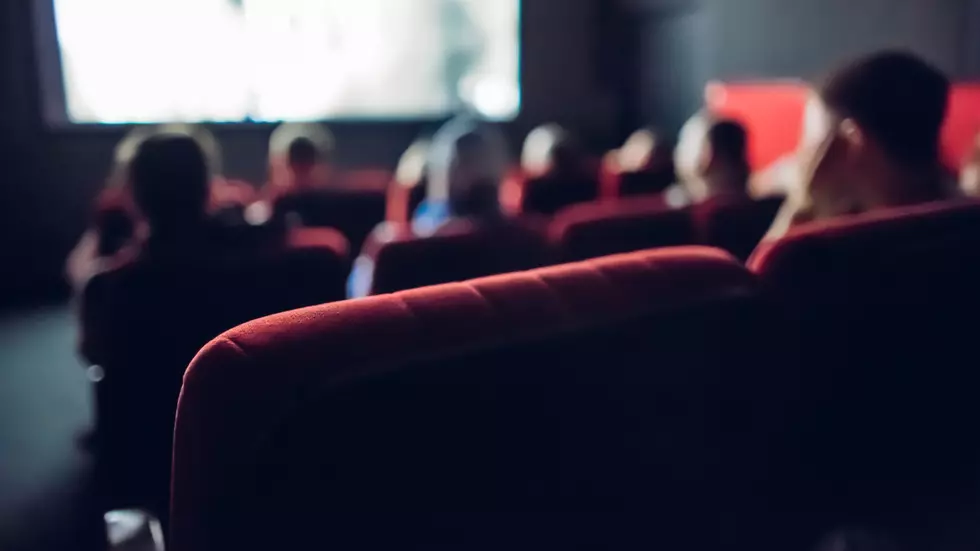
(169, 177)
(301, 144)
(205, 140)
(302, 151)
(896, 98)
(467, 161)
(123, 154)
(477, 198)
(551, 146)
(728, 140)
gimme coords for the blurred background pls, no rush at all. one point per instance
(599, 67)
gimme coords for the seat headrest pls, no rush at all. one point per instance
(935, 225)
(341, 339)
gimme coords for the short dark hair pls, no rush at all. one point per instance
(170, 178)
(895, 97)
(302, 151)
(729, 140)
(479, 199)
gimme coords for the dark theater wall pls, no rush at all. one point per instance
(767, 38)
(685, 43)
(50, 176)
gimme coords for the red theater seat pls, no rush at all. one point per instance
(352, 211)
(548, 194)
(735, 226)
(567, 407)
(459, 251)
(626, 225)
(883, 308)
(144, 321)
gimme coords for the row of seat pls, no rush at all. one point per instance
(459, 251)
(173, 306)
(670, 398)
(362, 199)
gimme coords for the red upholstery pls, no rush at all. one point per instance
(548, 194)
(883, 307)
(459, 251)
(736, 226)
(574, 406)
(626, 225)
(366, 179)
(144, 321)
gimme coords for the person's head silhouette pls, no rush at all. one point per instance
(169, 175)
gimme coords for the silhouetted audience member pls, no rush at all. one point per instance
(722, 168)
(114, 219)
(871, 140)
(466, 166)
(970, 175)
(555, 167)
(467, 163)
(300, 157)
(170, 180)
(645, 164)
(227, 197)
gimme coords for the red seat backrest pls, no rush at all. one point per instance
(736, 226)
(548, 194)
(144, 321)
(625, 225)
(883, 309)
(516, 402)
(352, 211)
(458, 252)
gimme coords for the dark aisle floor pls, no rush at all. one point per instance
(46, 500)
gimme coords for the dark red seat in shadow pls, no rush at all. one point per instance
(609, 403)
(736, 226)
(354, 204)
(143, 321)
(548, 194)
(883, 310)
(459, 251)
(625, 225)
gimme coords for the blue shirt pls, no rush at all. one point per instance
(426, 221)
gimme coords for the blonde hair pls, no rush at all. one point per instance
(412, 165)
(539, 147)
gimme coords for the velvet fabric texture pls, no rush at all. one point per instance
(561, 406)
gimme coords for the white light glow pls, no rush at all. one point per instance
(225, 60)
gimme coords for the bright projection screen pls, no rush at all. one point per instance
(151, 61)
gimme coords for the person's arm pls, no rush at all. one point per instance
(792, 213)
(84, 261)
(361, 277)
